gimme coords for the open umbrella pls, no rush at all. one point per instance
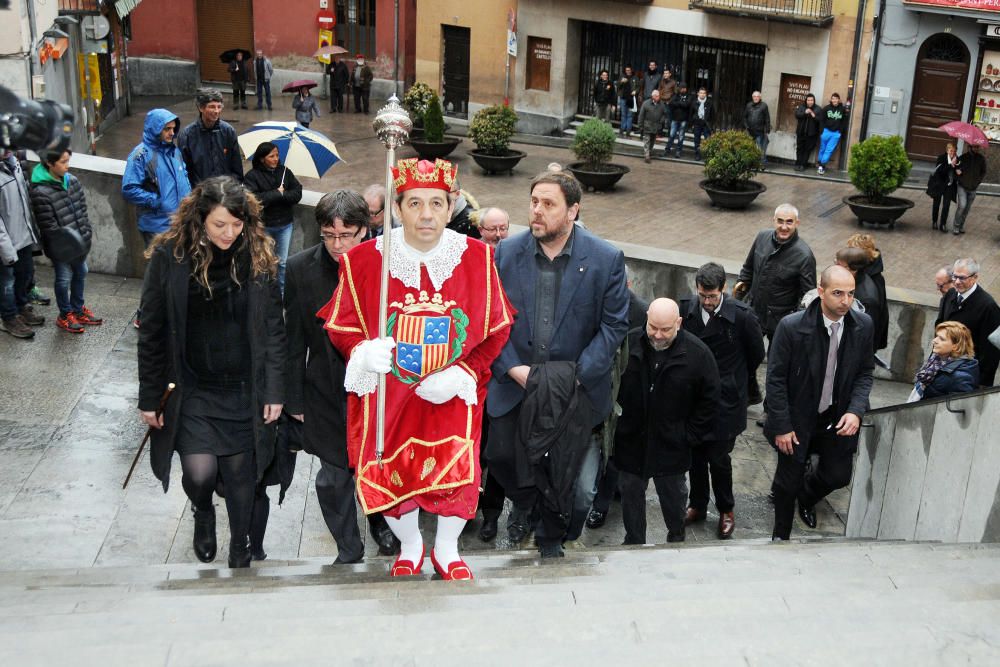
(970, 134)
(299, 83)
(330, 50)
(306, 152)
(226, 56)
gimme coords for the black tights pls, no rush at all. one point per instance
(201, 474)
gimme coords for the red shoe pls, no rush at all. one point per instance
(405, 568)
(86, 316)
(68, 322)
(457, 571)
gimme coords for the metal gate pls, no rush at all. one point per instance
(355, 29)
(730, 71)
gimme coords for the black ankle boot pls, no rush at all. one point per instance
(239, 555)
(204, 534)
(258, 526)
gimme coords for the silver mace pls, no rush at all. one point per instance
(392, 125)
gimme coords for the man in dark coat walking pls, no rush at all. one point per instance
(340, 76)
(209, 144)
(668, 397)
(731, 331)
(819, 376)
(316, 395)
(967, 302)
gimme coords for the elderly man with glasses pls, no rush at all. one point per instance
(967, 302)
(494, 225)
(943, 281)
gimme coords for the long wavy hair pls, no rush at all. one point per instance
(188, 237)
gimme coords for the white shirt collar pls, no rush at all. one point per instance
(705, 315)
(405, 261)
(968, 292)
(840, 330)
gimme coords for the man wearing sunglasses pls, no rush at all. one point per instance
(967, 302)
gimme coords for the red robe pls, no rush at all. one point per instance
(431, 457)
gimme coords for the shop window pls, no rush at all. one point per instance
(539, 65)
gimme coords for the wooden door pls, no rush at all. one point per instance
(222, 25)
(455, 95)
(938, 94)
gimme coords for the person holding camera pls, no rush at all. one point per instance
(61, 214)
(18, 237)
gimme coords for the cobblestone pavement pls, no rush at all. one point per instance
(658, 205)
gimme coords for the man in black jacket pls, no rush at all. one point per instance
(973, 306)
(701, 117)
(807, 127)
(757, 120)
(668, 396)
(779, 269)
(833, 118)
(731, 331)
(316, 395)
(819, 376)
(680, 109)
(340, 76)
(970, 170)
(209, 144)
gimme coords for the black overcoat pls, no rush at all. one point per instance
(162, 345)
(981, 314)
(666, 414)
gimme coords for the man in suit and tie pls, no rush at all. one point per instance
(569, 289)
(970, 304)
(819, 376)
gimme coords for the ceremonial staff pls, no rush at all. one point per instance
(149, 431)
(392, 125)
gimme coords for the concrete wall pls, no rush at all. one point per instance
(929, 471)
(159, 76)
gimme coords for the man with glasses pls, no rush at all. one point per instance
(943, 281)
(973, 306)
(316, 395)
(494, 225)
(731, 331)
(374, 196)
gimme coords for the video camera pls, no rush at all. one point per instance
(33, 125)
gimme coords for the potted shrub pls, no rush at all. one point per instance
(732, 159)
(434, 144)
(491, 129)
(878, 165)
(416, 101)
(593, 146)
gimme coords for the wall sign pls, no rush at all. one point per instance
(794, 88)
(975, 5)
(539, 63)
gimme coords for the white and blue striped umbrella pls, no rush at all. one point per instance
(306, 152)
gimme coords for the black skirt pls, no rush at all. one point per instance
(216, 422)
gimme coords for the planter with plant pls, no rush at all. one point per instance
(491, 129)
(877, 167)
(416, 101)
(732, 159)
(434, 144)
(593, 146)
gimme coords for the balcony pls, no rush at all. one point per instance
(817, 13)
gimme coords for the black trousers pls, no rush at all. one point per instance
(804, 146)
(672, 491)
(712, 458)
(361, 97)
(336, 100)
(942, 202)
(794, 480)
(335, 494)
(239, 93)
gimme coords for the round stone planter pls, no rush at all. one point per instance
(602, 178)
(887, 213)
(732, 199)
(432, 150)
(495, 164)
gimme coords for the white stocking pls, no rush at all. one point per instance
(407, 529)
(446, 539)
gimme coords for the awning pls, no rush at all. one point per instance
(125, 7)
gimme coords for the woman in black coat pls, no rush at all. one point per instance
(212, 325)
(942, 187)
(807, 131)
(874, 271)
(278, 191)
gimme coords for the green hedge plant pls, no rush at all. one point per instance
(594, 143)
(878, 166)
(491, 129)
(732, 159)
(433, 121)
(417, 101)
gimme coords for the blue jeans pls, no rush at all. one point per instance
(827, 144)
(282, 240)
(965, 199)
(14, 281)
(677, 128)
(625, 109)
(762, 141)
(263, 87)
(700, 131)
(70, 277)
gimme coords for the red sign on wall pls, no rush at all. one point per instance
(975, 5)
(326, 19)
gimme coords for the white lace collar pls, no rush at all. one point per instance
(405, 261)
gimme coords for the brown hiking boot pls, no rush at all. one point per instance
(16, 327)
(31, 318)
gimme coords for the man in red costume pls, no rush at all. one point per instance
(448, 318)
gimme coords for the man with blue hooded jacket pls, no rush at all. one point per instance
(156, 179)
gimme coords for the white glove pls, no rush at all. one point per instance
(374, 356)
(445, 385)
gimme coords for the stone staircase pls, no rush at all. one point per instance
(744, 602)
(635, 142)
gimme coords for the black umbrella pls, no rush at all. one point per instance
(226, 56)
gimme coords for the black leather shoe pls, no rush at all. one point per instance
(258, 554)
(488, 531)
(675, 537)
(551, 551)
(760, 423)
(388, 543)
(239, 555)
(808, 515)
(517, 531)
(204, 534)
(345, 561)
(596, 519)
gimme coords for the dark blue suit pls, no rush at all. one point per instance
(590, 322)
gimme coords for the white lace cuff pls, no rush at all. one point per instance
(466, 386)
(356, 379)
